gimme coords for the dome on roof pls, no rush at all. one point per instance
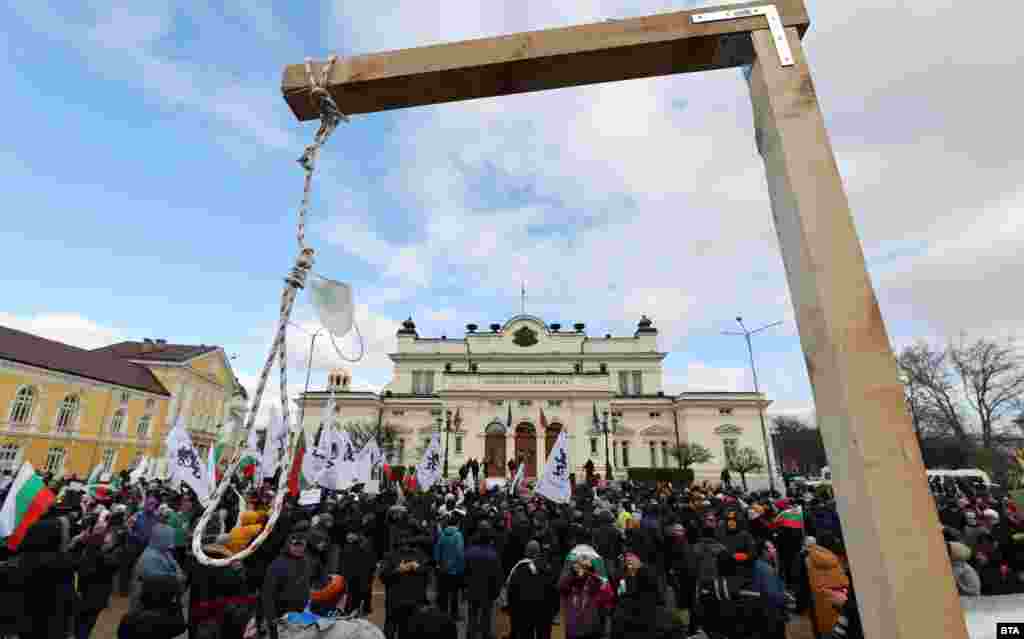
(339, 379)
(408, 327)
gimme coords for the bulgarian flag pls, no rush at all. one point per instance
(27, 501)
(295, 474)
(98, 491)
(250, 456)
(214, 469)
(790, 518)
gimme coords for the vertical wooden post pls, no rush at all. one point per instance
(901, 573)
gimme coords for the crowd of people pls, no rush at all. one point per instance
(618, 561)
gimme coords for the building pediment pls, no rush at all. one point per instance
(656, 431)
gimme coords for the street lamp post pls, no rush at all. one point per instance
(607, 460)
(447, 433)
(757, 391)
(309, 370)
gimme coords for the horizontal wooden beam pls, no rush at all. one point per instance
(610, 51)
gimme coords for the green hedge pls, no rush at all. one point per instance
(674, 475)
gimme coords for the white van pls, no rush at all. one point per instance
(974, 474)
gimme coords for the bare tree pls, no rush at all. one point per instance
(798, 444)
(992, 376)
(691, 453)
(933, 395)
(745, 460)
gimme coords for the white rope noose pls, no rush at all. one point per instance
(330, 116)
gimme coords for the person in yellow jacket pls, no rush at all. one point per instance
(826, 575)
(250, 525)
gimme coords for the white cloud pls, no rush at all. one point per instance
(67, 327)
(699, 376)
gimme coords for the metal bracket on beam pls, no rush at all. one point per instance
(774, 25)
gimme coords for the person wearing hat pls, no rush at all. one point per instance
(405, 574)
(286, 584)
(214, 589)
(358, 563)
(483, 581)
(449, 555)
(532, 594)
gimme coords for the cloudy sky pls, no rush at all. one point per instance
(150, 184)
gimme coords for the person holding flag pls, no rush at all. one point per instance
(428, 471)
(554, 481)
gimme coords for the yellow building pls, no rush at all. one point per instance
(66, 409)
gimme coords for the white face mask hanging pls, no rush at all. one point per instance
(334, 307)
(333, 302)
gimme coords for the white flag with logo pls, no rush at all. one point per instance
(337, 472)
(554, 482)
(277, 441)
(428, 471)
(367, 460)
(139, 471)
(517, 481)
(346, 471)
(315, 459)
(185, 464)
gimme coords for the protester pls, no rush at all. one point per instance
(286, 585)
(483, 581)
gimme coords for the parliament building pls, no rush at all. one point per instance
(526, 366)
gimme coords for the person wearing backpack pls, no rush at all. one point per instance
(710, 588)
(532, 595)
(449, 554)
(483, 583)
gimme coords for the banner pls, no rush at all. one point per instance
(428, 471)
(185, 464)
(277, 441)
(554, 482)
(367, 461)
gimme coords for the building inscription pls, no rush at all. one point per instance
(527, 379)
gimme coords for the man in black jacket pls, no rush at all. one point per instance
(405, 575)
(286, 585)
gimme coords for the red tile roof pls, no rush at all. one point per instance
(157, 352)
(99, 365)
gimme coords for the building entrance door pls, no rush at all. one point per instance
(494, 450)
(526, 448)
(550, 437)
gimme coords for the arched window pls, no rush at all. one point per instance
(24, 402)
(67, 413)
(142, 429)
(9, 454)
(117, 422)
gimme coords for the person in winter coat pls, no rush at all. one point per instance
(140, 526)
(357, 565)
(848, 625)
(767, 583)
(972, 529)
(967, 581)
(97, 558)
(586, 599)
(405, 574)
(159, 614)
(157, 561)
(825, 574)
(45, 577)
(533, 597)
(678, 560)
(449, 555)
(639, 615)
(483, 580)
(286, 585)
(213, 590)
